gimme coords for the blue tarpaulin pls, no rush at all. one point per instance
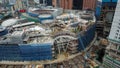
(85, 40)
(30, 52)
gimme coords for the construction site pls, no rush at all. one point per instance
(59, 34)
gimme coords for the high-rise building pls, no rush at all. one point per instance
(66, 4)
(89, 4)
(54, 3)
(112, 57)
(75, 4)
(104, 13)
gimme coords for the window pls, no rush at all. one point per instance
(117, 30)
(118, 27)
(117, 34)
(116, 37)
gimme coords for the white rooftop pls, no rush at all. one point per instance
(9, 22)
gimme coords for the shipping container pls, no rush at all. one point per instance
(89, 4)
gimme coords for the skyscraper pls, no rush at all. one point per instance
(74, 4)
(66, 4)
(112, 57)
